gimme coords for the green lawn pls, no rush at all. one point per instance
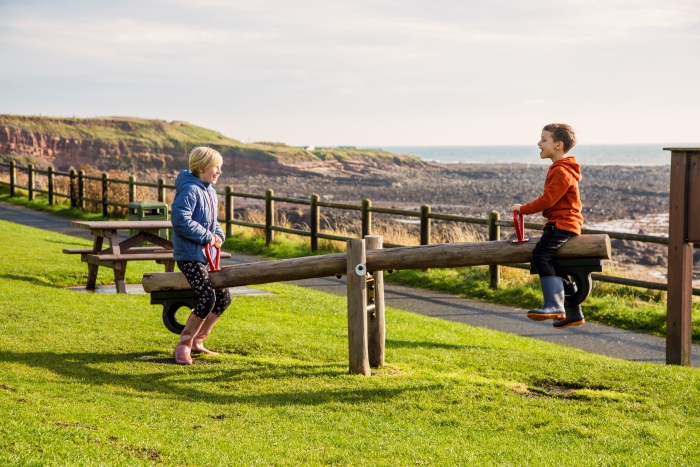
(88, 379)
(621, 306)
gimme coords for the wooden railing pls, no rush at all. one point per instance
(424, 214)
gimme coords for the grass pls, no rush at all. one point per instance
(88, 379)
(621, 306)
(624, 307)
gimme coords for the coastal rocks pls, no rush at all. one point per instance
(647, 254)
(608, 193)
(475, 189)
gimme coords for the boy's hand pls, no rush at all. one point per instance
(516, 207)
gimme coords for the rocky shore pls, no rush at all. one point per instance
(608, 192)
(623, 198)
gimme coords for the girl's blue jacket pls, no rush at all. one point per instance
(193, 216)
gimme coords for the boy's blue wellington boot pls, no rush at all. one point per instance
(569, 288)
(553, 291)
(574, 317)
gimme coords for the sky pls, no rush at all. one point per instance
(363, 72)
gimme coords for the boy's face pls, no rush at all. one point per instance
(548, 148)
(211, 175)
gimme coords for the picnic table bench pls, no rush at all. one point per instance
(118, 254)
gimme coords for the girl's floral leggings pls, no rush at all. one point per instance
(210, 300)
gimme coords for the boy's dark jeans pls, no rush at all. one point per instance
(552, 239)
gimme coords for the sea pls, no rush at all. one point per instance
(586, 154)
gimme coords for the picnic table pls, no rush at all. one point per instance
(118, 254)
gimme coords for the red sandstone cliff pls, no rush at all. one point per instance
(44, 148)
(64, 151)
(139, 145)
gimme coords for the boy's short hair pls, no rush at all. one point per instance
(203, 158)
(561, 132)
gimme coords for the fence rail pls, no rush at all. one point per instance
(78, 199)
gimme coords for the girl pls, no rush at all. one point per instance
(195, 228)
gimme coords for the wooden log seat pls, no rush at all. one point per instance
(417, 257)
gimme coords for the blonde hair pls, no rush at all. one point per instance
(203, 158)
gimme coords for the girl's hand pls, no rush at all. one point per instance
(516, 207)
(216, 242)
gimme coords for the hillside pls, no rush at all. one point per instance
(146, 145)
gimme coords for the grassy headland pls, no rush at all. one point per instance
(140, 143)
(88, 379)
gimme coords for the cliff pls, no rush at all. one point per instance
(140, 145)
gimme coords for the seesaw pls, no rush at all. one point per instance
(363, 264)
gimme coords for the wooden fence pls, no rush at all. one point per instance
(77, 198)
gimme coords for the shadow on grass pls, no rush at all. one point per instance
(63, 242)
(42, 281)
(82, 368)
(394, 344)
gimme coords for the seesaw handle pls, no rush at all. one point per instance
(212, 266)
(519, 223)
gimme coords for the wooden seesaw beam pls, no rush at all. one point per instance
(449, 255)
(363, 264)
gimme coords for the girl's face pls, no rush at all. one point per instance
(211, 175)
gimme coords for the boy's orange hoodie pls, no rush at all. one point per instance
(560, 203)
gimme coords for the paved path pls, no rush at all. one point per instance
(593, 338)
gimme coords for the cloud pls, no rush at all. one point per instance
(464, 61)
(97, 37)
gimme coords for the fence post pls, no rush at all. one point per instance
(132, 188)
(13, 175)
(366, 217)
(30, 181)
(51, 185)
(105, 194)
(73, 194)
(313, 221)
(81, 189)
(424, 225)
(376, 323)
(229, 211)
(494, 235)
(357, 307)
(161, 190)
(683, 230)
(269, 217)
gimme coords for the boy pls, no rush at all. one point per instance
(561, 205)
